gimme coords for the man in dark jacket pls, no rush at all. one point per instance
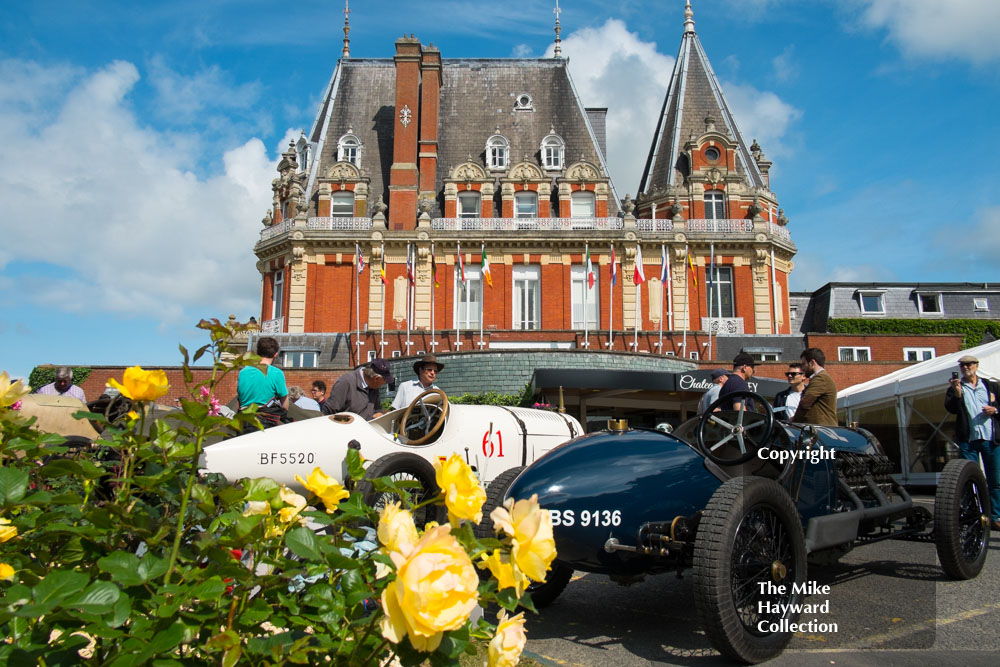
(357, 391)
(973, 401)
(818, 404)
(787, 401)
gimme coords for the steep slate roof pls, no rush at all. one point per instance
(693, 94)
(477, 96)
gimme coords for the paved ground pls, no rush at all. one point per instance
(890, 601)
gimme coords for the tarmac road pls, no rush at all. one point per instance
(891, 603)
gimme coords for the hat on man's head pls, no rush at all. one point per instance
(719, 372)
(381, 366)
(743, 359)
(968, 359)
(427, 360)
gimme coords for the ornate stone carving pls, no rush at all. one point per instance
(467, 172)
(424, 205)
(405, 115)
(525, 171)
(628, 205)
(782, 220)
(379, 206)
(755, 208)
(267, 219)
(343, 171)
(582, 171)
(675, 209)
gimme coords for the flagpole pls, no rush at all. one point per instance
(409, 296)
(586, 288)
(458, 318)
(718, 296)
(611, 305)
(638, 295)
(433, 343)
(357, 305)
(687, 303)
(381, 344)
(482, 314)
(715, 286)
(663, 291)
(774, 293)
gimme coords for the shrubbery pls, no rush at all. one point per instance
(973, 330)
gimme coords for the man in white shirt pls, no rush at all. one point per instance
(427, 369)
(787, 401)
(63, 385)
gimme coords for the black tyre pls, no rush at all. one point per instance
(542, 593)
(962, 519)
(750, 535)
(403, 466)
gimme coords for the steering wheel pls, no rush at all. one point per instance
(761, 424)
(430, 416)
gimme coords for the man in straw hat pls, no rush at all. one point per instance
(427, 369)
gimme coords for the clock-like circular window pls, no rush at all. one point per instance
(712, 154)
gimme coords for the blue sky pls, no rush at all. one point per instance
(139, 139)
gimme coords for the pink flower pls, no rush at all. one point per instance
(213, 407)
(16, 405)
(205, 392)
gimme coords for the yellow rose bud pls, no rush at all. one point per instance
(11, 392)
(325, 487)
(7, 531)
(533, 547)
(257, 507)
(396, 529)
(295, 502)
(463, 494)
(505, 572)
(140, 385)
(508, 642)
(6, 572)
(435, 590)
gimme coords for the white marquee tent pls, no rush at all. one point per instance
(905, 411)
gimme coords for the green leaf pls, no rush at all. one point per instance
(210, 589)
(120, 612)
(61, 468)
(13, 485)
(302, 542)
(123, 568)
(166, 640)
(247, 524)
(261, 488)
(355, 587)
(53, 589)
(99, 598)
(232, 656)
(355, 469)
(152, 567)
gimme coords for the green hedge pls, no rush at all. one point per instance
(973, 330)
(43, 375)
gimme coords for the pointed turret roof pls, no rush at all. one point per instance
(694, 95)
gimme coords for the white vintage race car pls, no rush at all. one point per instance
(402, 444)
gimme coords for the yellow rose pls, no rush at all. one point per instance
(140, 385)
(257, 507)
(6, 572)
(435, 590)
(396, 529)
(505, 572)
(508, 642)
(11, 392)
(533, 546)
(7, 531)
(325, 487)
(463, 494)
(295, 502)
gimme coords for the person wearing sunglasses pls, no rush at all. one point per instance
(786, 402)
(818, 403)
(973, 401)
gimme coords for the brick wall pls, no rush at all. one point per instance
(885, 347)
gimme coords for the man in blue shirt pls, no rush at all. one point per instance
(973, 401)
(743, 366)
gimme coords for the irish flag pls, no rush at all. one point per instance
(590, 271)
(486, 269)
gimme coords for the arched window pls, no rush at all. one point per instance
(349, 149)
(497, 150)
(342, 205)
(715, 205)
(553, 149)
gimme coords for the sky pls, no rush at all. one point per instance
(139, 140)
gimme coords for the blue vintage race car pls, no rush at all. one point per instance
(744, 501)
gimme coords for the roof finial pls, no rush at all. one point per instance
(558, 49)
(346, 53)
(688, 18)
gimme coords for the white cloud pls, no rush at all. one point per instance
(184, 99)
(112, 212)
(761, 115)
(521, 51)
(936, 29)
(614, 68)
(784, 64)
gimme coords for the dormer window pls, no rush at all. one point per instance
(497, 151)
(553, 150)
(349, 149)
(523, 103)
(715, 205)
(712, 154)
(302, 152)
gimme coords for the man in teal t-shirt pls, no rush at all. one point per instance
(261, 384)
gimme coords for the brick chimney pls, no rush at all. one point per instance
(403, 176)
(430, 102)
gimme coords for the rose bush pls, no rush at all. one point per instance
(123, 554)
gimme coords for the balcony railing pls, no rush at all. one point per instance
(725, 226)
(778, 231)
(319, 225)
(277, 325)
(276, 230)
(657, 225)
(527, 224)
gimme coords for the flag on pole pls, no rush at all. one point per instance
(614, 267)
(409, 266)
(381, 268)
(486, 269)
(590, 271)
(640, 275)
(361, 259)
(694, 273)
(663, 264)
(461, 265)
(434, 270)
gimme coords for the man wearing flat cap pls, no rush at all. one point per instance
(357, 391)
(973, 401)
(427, 369)
(719, 377)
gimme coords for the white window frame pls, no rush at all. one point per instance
(469, 195)
(919, 353)
(715, 205)
(854, 351)
(349, 150)
(526, 300)
(577, 208)
(765, 356)
(497, 152)
(372, 355)
(937, 299)
(278, 294)
(468, 311)
(876, 293)
(981, 304)
(342, 195)
(298, 358)
(723, 285)
(523, 102)
(578, 283)
(553, 151)
(524, 195)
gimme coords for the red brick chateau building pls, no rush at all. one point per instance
(420, 170)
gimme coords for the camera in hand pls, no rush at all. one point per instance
(954, 375)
